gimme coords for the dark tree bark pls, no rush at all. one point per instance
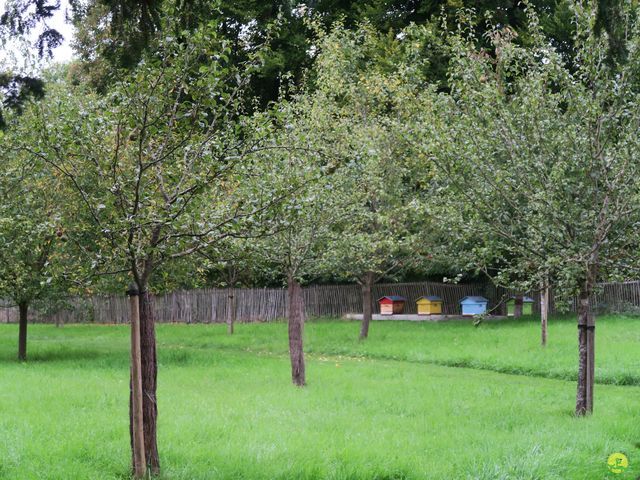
(23, 308)
(296, 327)
(231, 311)
(367, 304)
(517, 307)
(149, 381)
(586, 353)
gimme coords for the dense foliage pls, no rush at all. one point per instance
(340, 141)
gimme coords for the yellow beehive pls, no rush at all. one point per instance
(430, 305)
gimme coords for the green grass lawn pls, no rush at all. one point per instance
(393, 407)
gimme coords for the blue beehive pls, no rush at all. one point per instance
(473, 305)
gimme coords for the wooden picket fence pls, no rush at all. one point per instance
(268, 304)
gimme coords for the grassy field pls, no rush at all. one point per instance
(416, 400)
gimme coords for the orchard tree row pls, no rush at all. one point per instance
(449, 146)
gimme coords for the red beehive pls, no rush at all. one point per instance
(391, 304)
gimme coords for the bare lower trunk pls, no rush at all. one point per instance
(296, 327)
(231, 311)
(23, 308)
(135, 386)
(544, 313)
(517, 306)
(367, 307)
(586, 353)
(149, 369)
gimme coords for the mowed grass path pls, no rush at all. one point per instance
(380, 409)
(511, 346)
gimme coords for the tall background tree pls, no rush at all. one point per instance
(31, 231)
(359, 79)
(112, 35)
(297, 159)
(539, 152)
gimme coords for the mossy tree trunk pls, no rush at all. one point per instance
(367, 304)
(231, 310)
(296, 329)
(544, 312)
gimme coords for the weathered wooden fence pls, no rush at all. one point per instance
(252, 305)
(616, 297)
(266, 304)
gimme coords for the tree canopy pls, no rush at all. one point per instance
(342, 141)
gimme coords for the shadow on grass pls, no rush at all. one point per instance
(72, 355)
(99, 358)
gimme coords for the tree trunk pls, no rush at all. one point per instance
(296, 327)
(149, 369)
(544, 312)
(135, 386)
(23, 308)
(517, 306)
(586, 354)
(231, 311)
(367, 305)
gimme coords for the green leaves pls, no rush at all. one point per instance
(150, 168)
(537, 155)
(31, 227)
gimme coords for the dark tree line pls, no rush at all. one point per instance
(114, 34)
